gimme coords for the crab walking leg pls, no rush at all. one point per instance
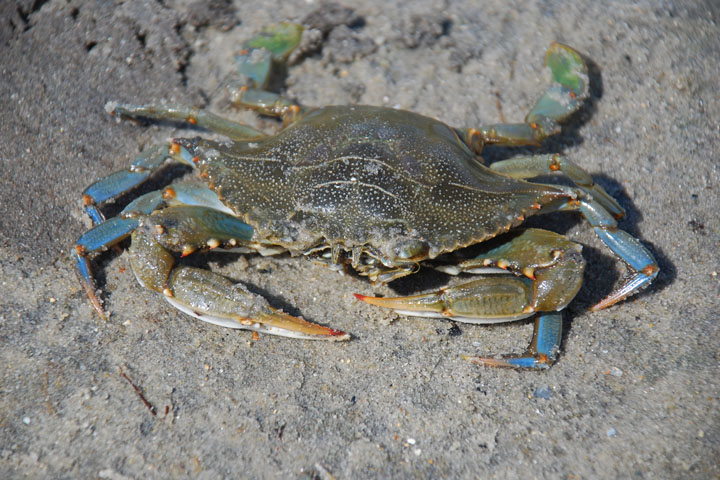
(542, 351)
(255, 64)
(549, 273)
(536, 165)
(107, 234)
(273, 45)
(569, 89)
(117, 183)
(265, 103)
(190, 194)
(122, 181)
(200, 293)
(193, 115)
(624, 245)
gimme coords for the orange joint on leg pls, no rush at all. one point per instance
(195, 159)
(213, 243)
(650, 270)
(529, 272)
(191, 119)
(169, 193)
(80, 250)
(528, 309)
(502, 263)
(87, 200)
(536, 206)
(187, 250)
(159, 229)
(167, 292)
(174, 148)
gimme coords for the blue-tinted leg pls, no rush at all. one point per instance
(107, 234)
(543, 349)
(625, 246)
(565, 95)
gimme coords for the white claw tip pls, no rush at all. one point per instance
(110, 107)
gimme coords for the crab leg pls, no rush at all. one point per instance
(536, 165)
(111, 232)
(121, 181)
(265, 103)
(106, 234)
(255, 65)
(624, 245)
(540, 271)
(542, 351)
(565, 95)
(193, 115)
(274, 44)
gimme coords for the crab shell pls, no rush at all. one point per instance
(400, 186)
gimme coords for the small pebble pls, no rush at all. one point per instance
(543, 392)
(411, 441)
(611, 432)
(26, 420)
(616, 372)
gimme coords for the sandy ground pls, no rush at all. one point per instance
(635, 393)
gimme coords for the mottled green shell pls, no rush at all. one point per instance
(388, 180)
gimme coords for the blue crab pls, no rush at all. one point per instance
(376, 189)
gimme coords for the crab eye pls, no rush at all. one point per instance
(410, 248)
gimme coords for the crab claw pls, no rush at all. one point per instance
(503, 298)
(428, 305)
(484, 300)
(215, 299)
(269, 321)
(288, 325)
